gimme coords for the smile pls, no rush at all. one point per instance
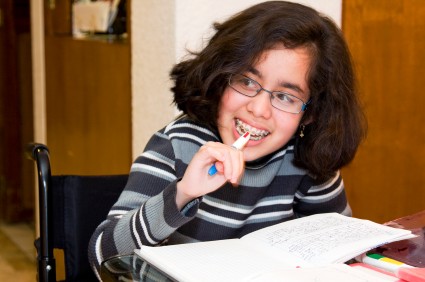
(256, 134)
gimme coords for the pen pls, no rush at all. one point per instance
(238, 145)
(384, 263)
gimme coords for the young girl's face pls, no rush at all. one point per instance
(278, 69)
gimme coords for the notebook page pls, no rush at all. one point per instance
(325, 238)
(224, 260)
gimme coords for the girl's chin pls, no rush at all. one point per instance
(250, 154)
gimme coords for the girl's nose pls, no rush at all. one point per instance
(260, 105)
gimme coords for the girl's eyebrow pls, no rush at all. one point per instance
(292, 86)
(255, 71)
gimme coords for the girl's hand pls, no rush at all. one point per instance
(197, 182)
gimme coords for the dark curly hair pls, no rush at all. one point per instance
(337, 124)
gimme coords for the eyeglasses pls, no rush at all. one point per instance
(280, 100)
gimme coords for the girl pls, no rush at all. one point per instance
(278, 70)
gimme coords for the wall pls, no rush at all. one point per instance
(161, 30)
(38, 71)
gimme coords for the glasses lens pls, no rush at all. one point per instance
(244, 85)
(286, 102)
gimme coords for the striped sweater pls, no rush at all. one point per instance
(272, 190)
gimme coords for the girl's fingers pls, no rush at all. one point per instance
(233, 166)
(228, 161)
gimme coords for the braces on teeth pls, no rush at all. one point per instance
(256, 134)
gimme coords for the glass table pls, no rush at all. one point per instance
(130, 268)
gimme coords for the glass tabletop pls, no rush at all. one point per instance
(130, 268)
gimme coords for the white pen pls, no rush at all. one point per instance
(238, 145)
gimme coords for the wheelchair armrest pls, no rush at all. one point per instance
(46, 261)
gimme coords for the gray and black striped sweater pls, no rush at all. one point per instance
(271, 191)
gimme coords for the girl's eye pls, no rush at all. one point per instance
(248, 83)
(284, 97)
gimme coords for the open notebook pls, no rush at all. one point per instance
(313, 241)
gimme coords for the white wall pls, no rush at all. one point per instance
(194, 18)
(152, 52)
(161, 31)
(38, 70)
(39, 88)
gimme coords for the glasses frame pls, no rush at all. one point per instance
(272, 96)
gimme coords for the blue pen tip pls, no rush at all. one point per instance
(212, 170)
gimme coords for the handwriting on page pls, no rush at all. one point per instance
(312, 239)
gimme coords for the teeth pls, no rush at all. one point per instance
(256, 134)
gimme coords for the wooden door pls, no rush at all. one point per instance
(387, 40)
(16, 173)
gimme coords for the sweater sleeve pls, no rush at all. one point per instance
(146, 212)
(329, 196)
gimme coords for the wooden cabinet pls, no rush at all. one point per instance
(88, 105)
(88, 98)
